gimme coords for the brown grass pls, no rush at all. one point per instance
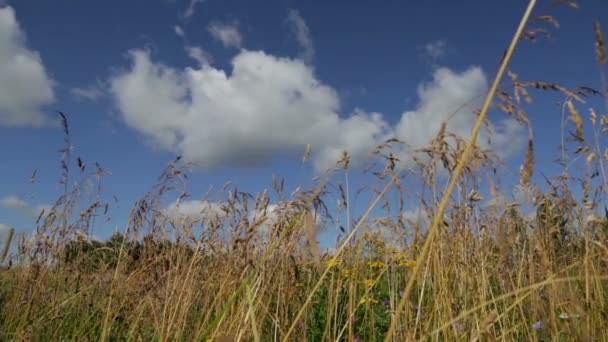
(473, 264)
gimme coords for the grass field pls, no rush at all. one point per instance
(534, 270)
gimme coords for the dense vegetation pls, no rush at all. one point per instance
(464, 268)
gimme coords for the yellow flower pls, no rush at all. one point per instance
(399, 256)
(368, 300)
(376, 264)
(408, 263)
(332, 262)
(346, 273)
(368, 282)
(299, 285)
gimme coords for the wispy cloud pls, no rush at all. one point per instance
(199, 55)
(301, 32)
(191, 9)
(179, 31)
(435, 50)
(22, 206)
(227, 33)
(91, 93)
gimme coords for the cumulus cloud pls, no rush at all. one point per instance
(19, 205)
(226, 33)
(452, 96)
(195, 210)
(269, 105)
(270, 216)
(300, 30)
(25, 85)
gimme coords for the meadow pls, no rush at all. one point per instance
(252, 269)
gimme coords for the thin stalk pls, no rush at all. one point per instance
(459, 169)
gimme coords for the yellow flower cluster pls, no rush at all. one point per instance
(401, 259)
(346, 273)
(332, 262)
(408, 263)
(376, 264)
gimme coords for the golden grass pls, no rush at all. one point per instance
(465, 269)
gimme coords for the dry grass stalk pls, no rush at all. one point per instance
(600, 43)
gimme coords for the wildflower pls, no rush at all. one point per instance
(401, 293)
(332, 262)
(387, 303)
(537, 325)
(399, 255)
(299, 285)
(346, 273)
(356, 339)
(300, 325)
(408, 263)
(457, 327)
(376, 264)
(368, 300)
(368, 282)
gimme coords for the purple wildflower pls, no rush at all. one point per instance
(356, 339)
(537, 325)
(300, 325)
(387, 303)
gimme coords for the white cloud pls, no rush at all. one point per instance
(267, 105)
(199, 55)
(278, 211)
(25, 85)
(178, 30)
(227, 34)
(22, 206)
(300, 30)
(189, 12)
(194, 210)
(435, 49)
(451, 97)
(13, 202)
(92, 93)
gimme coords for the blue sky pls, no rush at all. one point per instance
(241, 87)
